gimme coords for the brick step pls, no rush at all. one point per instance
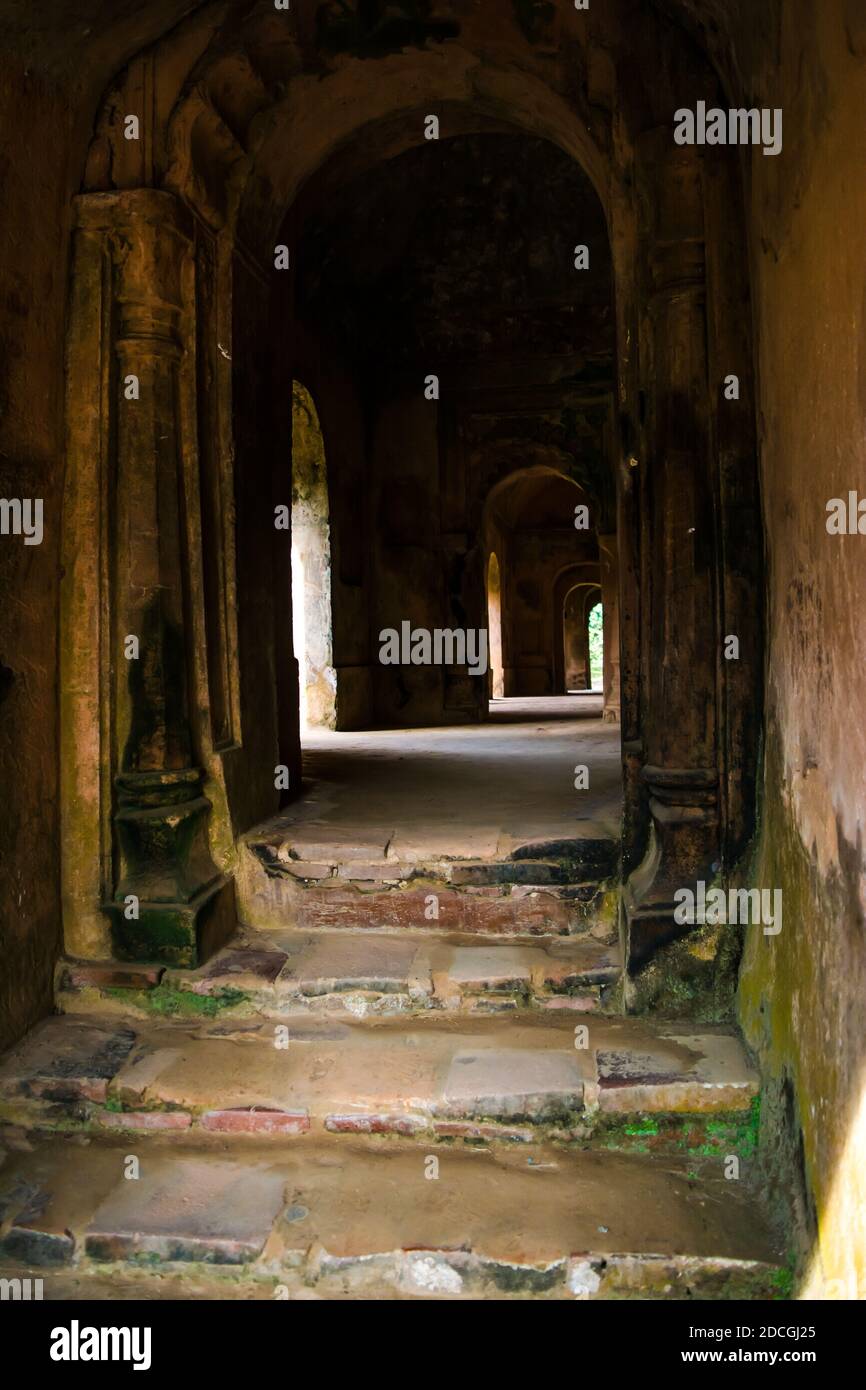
(577, 1078)
(556, 886)
(353, 1218)
(279, 973)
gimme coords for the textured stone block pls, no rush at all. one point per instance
(507, 1081)
(66, 1059)
(214, 1210)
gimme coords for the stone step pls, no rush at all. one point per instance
(288, 879)
(284, 972)
(343, 1217)
(578, 1078)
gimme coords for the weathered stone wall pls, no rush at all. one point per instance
(269, 675)
(803, 992)
(55, 66)
(32, 256)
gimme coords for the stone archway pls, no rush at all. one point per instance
(529, 517)
(575, 637)
(583, 580)
(242, 109)
(575, 647)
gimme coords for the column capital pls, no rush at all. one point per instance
(129, 207)
(149, 234)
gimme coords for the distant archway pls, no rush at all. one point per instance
(576, 669)
(577, 585)
(528, 525)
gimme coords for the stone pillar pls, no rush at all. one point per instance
(679, 746)
(609, 564)
(170, 903)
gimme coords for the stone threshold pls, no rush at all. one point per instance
(347, 1218)
(283, 972)
(548, 886)
(504, 1078)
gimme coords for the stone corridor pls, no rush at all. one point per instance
(452, 807)
(337, 1105)
(469, 792)
(431, 631)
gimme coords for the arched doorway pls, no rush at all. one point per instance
(311, 565)
(494, 619)
(576, 658)
(577, 587)
(529, 517)
(596, 644)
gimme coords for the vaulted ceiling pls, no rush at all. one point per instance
(83, 43)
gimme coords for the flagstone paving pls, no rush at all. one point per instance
(531, 1066)
(348, 1216)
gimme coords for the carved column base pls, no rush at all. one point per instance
(181, 934)
(683, 849)
(183, 908)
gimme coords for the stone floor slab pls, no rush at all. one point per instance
(66, 1059)
(682, 1070)
(189, 1208)
(349, 1212)
(48, 1193)
(506, 1082)
(319, 963)
(490, 967)
(139, 1073)
(536, 1062)
(451, 793)
(340, 961)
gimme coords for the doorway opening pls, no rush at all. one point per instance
(494, 622)
(595, 642)
(311, 567)
(579, 601)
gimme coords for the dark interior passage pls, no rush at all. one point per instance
(385, 373)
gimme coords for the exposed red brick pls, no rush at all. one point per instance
(479, 910)
(256, 1121)
(77, 975)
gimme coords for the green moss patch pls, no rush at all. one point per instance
(165, 1001)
